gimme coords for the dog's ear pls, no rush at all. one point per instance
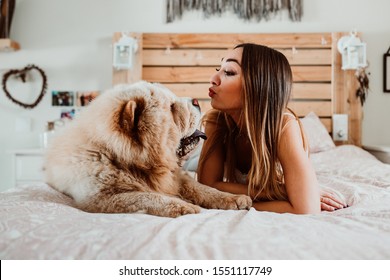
(130, 114)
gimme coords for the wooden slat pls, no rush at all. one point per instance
(297, 56)
(182, 57)
(177, 74)
(210, 57)
(327, 123)
(312, 73)
(198, 91)
(218, 40)
(203, 74)
(302, 108)
(312, 91)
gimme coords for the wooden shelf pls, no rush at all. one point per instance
(8, 45)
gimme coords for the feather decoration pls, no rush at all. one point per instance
(364, 85)
(244, 9)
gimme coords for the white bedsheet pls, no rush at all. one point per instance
(37, 222)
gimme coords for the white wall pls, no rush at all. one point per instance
(71, 41)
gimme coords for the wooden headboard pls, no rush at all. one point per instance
(185, 62)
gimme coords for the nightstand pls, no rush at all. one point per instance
(27, 164)
(381, 152)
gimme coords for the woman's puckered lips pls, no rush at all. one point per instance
(211, 92)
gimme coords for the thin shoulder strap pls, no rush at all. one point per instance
(304, 140)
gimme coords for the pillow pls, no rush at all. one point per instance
(316, 133)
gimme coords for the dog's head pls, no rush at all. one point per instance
(148, 121)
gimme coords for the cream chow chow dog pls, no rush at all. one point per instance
(122, 154)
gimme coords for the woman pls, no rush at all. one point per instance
(255, 144)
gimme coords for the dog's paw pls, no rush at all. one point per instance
(243, 202)
(239, 202)
(178, 209)
(232, 202)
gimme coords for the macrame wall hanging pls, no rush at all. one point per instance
(244, 9)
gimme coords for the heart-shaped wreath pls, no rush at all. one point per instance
(21, 73)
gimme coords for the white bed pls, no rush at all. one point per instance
(37, 222)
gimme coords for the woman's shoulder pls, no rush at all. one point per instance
(292, 130)
(290, 114)
(289, 117)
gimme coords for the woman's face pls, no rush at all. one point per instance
(226, 85)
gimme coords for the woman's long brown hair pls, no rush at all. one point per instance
(267, 81)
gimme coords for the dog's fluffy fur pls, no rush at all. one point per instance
(121, 156)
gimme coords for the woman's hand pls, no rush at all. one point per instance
(331, 201)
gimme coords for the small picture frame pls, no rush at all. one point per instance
(68, 114)
(386, 71)
(62, 98)
(86, 97)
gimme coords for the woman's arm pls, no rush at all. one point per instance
(299, 175)
(301, 182)
(211, 172)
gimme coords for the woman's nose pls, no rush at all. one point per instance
(215, 80)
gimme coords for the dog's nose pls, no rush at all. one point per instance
(195, 103)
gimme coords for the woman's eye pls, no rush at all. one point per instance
(226, 72)
(229, 73)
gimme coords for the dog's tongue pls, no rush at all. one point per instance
(199, 134)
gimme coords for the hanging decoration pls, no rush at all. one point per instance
(363, 88)
(22, 74)
(247, 10)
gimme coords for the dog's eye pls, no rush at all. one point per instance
(173, 107)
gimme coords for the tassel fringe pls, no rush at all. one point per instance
(244, 9)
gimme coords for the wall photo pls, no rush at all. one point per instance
(85, 97)
(62, 98)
